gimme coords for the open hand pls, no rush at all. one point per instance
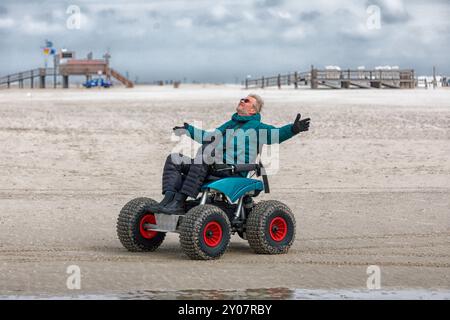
(180, 130)
(300, 125)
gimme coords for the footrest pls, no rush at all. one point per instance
(166, 222)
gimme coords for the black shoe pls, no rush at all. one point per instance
(153, 208)
(176, 206)
(168, 196)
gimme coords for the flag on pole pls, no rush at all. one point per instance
(48, 49)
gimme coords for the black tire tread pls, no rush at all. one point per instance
(126, 223)
(256, 227)
(190, 228)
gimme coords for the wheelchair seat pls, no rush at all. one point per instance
(229, 180)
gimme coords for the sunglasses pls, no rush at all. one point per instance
(245, 100)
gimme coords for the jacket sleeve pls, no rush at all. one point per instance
(275, 134)
(201, 136)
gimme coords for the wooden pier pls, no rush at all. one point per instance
(339, 79)
(39, 74)
(66, 65)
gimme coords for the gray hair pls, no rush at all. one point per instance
(259, 102)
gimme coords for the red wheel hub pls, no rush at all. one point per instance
(147, 234)
(278, 229)
(212, 234)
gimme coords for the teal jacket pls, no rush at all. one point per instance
(242, 138)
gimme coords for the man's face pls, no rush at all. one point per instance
(246, 106)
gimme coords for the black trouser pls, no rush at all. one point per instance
(185, 175)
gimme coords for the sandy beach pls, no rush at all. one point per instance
(369, 184)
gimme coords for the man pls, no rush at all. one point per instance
(236, 141)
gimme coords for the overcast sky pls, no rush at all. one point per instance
(224, 41)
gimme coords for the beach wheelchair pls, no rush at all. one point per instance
(225, 206)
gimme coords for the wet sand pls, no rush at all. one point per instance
(369, 185)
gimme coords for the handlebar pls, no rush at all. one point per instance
(236, 168)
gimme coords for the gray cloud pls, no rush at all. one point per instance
(309, 15)
(394, 18)
(3, 11)
(269, 3)
(228, 39)
(127, 21)
(107, 13)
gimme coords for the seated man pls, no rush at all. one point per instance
(183, 176)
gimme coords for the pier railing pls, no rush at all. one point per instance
(19, 77)
(339, 79)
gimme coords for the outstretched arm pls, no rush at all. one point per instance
(199, 135)
(281, 134)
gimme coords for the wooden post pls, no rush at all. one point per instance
(262, 83)
(246, 83)
(65, 81)
(434, 78)
(296, 80)
(314, 84)
(32, 80)
(279, 81)
(8, 82)
(41, 78)
(54, 70)
(41, 81)
(20, 80)
(374, 82)
(345, 84)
